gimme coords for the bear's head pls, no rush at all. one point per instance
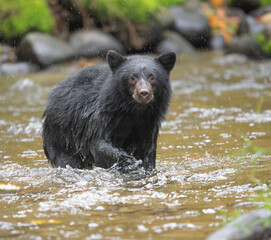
(142, 79)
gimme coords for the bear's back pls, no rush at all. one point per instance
(76, 91)
(87, 78)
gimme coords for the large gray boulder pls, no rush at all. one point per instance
(20, 68)
(254, 225)
(192, 25)
(254, 26)
(171, 41)
(44, 49)
(245, 45)
(93, 43)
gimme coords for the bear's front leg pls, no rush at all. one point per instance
(106, 155)
(149, 157)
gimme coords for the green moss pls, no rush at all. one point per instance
(265, 2)
(136, 10)
(264, 42)
(18, 17)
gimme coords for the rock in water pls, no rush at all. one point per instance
(172, 41)
(192, 25)
(17, 68)
(44, 49)
(254, 225)
(245, 45)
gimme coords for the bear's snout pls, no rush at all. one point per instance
(143, 93)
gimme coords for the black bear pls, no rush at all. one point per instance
(109, 115)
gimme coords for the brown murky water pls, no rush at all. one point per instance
(197, 178)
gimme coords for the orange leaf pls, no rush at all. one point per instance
(45, 221)
(215, 22)
(217, 3)
(226, 36)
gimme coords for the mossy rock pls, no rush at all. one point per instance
(139, 11)
(18, 17)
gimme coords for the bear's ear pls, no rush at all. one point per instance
(114, 59)
(167, 60)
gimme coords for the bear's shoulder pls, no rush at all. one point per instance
(88, 75)
(89, 78)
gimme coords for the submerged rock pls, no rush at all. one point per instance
(192, 25)
(255, 225)
(217, 42)
(17, 68)
(44, 49)
(172, 41)
(94, 43)
(254, 26)
(245, 45)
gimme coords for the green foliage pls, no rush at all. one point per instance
(265, 195)
(264, 42)
(228, 216)
(18, 17)
(135, 10)
(257, 152)
(265, 2)
(265, 198)
(250, 148)
(264, 99)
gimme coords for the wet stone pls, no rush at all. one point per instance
(44, 49)
(192, 25)
(217, 42)
(254, 26)
(172, 41)
(17, 68)
(245, 45)
(93, 43)
(252, 225)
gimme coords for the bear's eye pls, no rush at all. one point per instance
(132, 79)
(152, 78)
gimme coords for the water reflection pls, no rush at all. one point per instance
(197, 178)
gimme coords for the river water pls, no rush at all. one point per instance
(198, 182)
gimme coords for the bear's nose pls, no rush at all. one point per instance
(144, 93)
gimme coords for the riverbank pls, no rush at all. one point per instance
(184, 28)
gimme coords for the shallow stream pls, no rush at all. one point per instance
(198, 181)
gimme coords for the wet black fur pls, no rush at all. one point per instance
(92, 120)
